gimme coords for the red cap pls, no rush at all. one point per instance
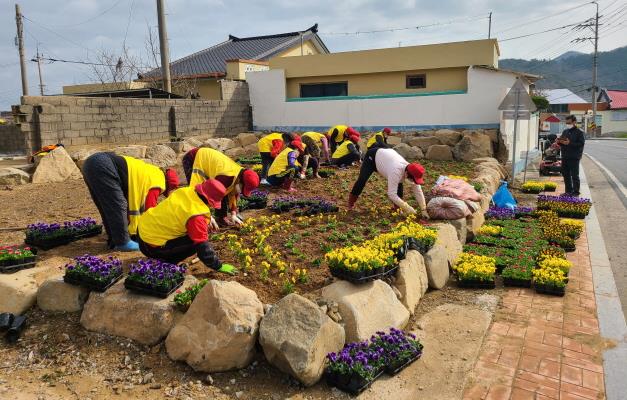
(387, 130)
(212, 191)
(171, 180)
(350, 131)
(416, 171)
(250, 181)
(354, 138)
(298, 144)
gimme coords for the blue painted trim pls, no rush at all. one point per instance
(376, 96)
(374, 128)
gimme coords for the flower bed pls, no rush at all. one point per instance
(359, 364)
(565, 206)
(549, 277)
(305, 206)
(183, 299)
(508, 213)
(490, 230)
(249, 160)
(154, 277)
(16, 257)
(47, 236)
(532, 187)
(257, 200)
(475, 271)
(93, 273)
(557, 233)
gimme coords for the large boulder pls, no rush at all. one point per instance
(221, 144)
(461, 228)
(490, 180)
(440, 152)
(251, 149)
(235, 152)
(245, 139)
(423, 142)
(80, 156)
(296, 336)
(448, 137)
(161, 155)
(13, 176)
(54, 295)
(408, 152)
(473, 222)
(473, 145)
(219, 331)
(120, 312)
(411, 280)
(394, 140)
(436, 261)
(180, 146)
(193, 142)
(135, 151)
(366, 308)
(447, 237)
(18, 291)
(56, 166)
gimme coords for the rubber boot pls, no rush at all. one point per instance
(352, 199)
(14, 332)
(128, 246)
(288, 185)
(6, 319)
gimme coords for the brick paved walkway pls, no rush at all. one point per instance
(544, 347)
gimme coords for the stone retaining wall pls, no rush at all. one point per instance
(78, 121)
(12, 140)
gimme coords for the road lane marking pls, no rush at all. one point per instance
(610, 175)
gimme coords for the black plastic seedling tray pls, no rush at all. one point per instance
(143, 288)
(364, 279)
(47, 244)
(526, 283)
(89, 283)
(10, 266)
(353, 384)
(395, 369)
(552, 290)
(476, 284)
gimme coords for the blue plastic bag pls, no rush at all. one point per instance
(503, 198)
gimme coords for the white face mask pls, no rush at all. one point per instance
(569, 126)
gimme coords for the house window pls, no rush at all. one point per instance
(416, 81)
(324, 89)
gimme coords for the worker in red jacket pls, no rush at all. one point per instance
(179, 226)
(123, 188)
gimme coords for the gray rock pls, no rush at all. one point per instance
(424, 142)
(473, 145)
(161, 155)
(56, 166)
(394, 140)
(221, 144)
(448, 137)
(439, 152)
(436, 262)
(409, 153)
(245, 139)
(13, 176)
(80, 156)
(296, 337)
(411, 280)
(54, 295)
(135, 151)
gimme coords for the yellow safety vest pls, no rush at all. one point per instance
(210, 163)
(280, 164)
(340, 132)
(265, 143)
(342, 150)
(141, 178)
(168, 220)
(315, 136)
(373, 139)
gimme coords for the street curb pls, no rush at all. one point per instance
(612, 323)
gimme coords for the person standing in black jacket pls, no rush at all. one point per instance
(571, 143)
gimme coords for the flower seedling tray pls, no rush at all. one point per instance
(95, 231)
(475, 284)
(531, 191)
(28, 262)
(395, 369)
(353, 384)
(90, 283)
(550, 189)
(526, 283)
(552, 290)
(341, 274)
(49, 243)
(150, 290)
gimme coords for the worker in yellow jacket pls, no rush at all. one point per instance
(347, 152)
(379, 139)
(285, 166)
(320, 140)
(179, 226)
(205, 163)
(339, 133)
(123, 188)
(269, 147)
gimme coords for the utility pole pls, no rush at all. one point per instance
(20, 45)
(594, 71)
(38, 61)
(164, 48)
(490, 25)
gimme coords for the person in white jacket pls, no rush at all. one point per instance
(393, 167)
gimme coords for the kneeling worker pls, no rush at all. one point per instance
(269, 147)
(320, 141)
(212, 164)
(285, 166)
(123, 188)
(395, 169)
(177, 228)
(347, 152)
(379, 139)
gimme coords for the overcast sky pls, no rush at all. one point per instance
(79, 29)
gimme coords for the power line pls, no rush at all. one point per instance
(57, 34)
(92, 18)
(450, 22)
(542, 18)
(545, 31)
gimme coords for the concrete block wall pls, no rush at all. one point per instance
(77, 121)
(12, 140)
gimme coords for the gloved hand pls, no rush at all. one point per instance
(228, 269)
(213, 224)
(425, 214)
(237, 220)
(301, 176)
(407, 209)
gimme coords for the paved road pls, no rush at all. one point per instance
(610, 203)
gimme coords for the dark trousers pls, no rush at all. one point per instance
(346, 160)
(188, 165)
(173, 252)
(105, 188)
(313, 163)
(278, 180)
(570, 172)
(266, 161)
(368, 167)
